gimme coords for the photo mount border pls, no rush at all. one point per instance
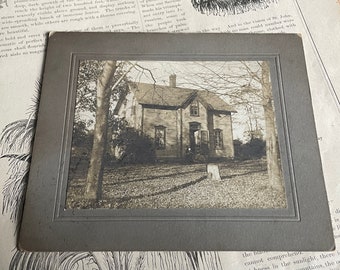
(290, 213)
(70, 48)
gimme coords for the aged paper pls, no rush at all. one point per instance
(23, 30)
(321, 27)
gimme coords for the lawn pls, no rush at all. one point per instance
(243, 184)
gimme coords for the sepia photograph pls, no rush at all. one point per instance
(141, 137)
(166, 134)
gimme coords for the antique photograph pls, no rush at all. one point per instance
(166, 134)
(152, 141)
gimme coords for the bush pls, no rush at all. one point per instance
(135, 148)
(81, 136)
(254, 149)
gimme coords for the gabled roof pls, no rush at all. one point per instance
(177, 97)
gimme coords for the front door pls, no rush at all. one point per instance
(194, 128)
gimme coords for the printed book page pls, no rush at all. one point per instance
(23, 31)
(323, 33)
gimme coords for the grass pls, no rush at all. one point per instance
(243, 184)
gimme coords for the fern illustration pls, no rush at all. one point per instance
(223, 7)
(15, 144)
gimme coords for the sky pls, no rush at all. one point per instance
(220, 77)
(198, 75)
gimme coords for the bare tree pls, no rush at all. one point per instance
(272, 150)
(245, 85)
(104, 90)
(15, 145)
(95, 173)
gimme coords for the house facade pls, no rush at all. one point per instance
(180, 120)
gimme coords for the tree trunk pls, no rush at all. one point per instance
(95, 173)
(272, 149)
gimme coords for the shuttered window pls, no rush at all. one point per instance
(218, 138)
(160, 132)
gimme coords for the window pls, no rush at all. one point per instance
(160, 137)
(193, 126)
(194, 108)
(204, 142)
(204, 137)
(218, 138)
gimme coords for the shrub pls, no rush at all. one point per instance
(81, 136)
(134, 147)
(254, 149)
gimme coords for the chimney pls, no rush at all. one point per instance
(172, 80)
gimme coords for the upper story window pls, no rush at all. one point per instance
(160, 137)
(194, 108)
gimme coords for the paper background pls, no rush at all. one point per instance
(317, 21)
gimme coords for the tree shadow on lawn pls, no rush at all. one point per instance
(242, 174)
(123, 172)
(194, 176)
(248, 166)
(122, 201)
(156, 177)
(167, 191)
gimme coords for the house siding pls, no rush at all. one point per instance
(170, 120)
(131, 111)
(187, 119)
(177, 126)
(223, 122)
